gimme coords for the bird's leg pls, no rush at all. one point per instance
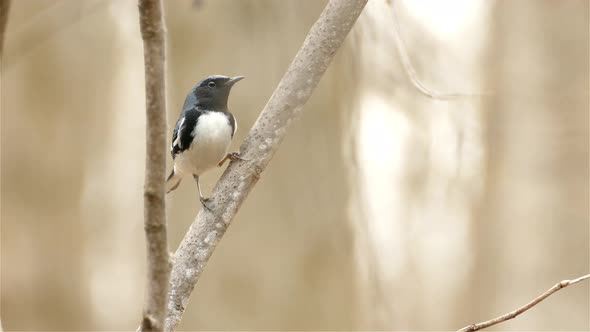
(232, 157)
(203, 200)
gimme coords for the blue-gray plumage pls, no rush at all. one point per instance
(203, 132)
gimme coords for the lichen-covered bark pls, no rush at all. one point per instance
(294, 89)
(158, 265)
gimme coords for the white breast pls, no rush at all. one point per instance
(212, 137)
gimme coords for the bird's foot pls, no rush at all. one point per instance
(204, 201)
(234, 156)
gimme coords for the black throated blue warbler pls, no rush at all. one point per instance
(203, 132)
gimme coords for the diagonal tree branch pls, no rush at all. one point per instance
(514, 313)
(152, 26)
(286, 103)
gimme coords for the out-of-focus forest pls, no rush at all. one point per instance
(382, 210)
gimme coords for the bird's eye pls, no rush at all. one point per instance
(211, 84)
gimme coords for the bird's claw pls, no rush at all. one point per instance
(234, 156)
(204, 201)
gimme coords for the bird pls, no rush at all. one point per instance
(203, 132)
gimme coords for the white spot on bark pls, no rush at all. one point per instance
(190, 273)
(241, 185)
(184, 301)
(280, 132)
(300, 94)
(201, 255)
(226, 217)
(211, 238)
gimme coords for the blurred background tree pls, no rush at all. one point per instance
(383, 209)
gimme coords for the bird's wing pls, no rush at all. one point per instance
(182, 135)
(233, 124)
(176, 146)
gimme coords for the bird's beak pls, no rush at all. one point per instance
(235, 80)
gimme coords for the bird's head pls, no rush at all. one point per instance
(212, 92)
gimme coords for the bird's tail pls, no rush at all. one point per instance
(173, 181)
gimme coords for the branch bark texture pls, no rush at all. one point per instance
(152, 27)
(286, 103)
(514, 313)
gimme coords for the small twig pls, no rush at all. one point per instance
(512, 314)
(285, 105)
(151, 20)
(409, 69)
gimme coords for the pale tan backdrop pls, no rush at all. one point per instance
(383, 209)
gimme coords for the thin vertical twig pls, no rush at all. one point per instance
(152, 27)
(4, 9)
(263, 140)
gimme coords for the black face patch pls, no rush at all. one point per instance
(214, 82)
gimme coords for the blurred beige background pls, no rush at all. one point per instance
(382, 210)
